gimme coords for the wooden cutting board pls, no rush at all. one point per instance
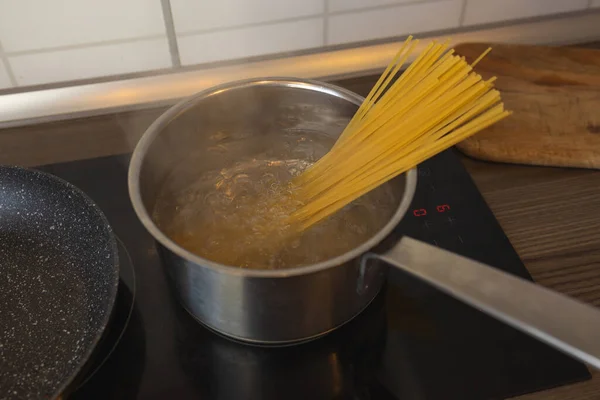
(555, 95)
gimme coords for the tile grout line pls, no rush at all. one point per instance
(463, 11)
(305, 17)
(85, 45)
(171, 34)
(251, 25)
(191, 33)
(8, 67)
(385, 6)
(325, 21)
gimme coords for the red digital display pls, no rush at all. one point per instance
(420, 212)
(443, 208)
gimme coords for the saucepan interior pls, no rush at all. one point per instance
(231, 128)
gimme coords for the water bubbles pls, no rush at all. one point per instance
(238, 215)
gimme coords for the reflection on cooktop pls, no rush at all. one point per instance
(336, 366)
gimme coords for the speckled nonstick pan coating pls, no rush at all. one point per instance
(59, 273)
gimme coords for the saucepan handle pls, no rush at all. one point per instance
(564, 323)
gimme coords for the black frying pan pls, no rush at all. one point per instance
(59, 274)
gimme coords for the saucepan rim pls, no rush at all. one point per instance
(156, 128)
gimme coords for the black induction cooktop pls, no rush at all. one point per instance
(412, 342)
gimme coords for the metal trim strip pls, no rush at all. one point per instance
(51, 104)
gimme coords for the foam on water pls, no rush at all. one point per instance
(238, 215)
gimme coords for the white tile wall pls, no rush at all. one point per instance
(63, 40)
(40, 24)
(196, 15)
(4, 80)
(251, 41)
(80, 63)
(486, 11)
(344, 5)
(394, 21)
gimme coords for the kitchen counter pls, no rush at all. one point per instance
(551, 215)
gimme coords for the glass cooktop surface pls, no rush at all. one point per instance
(412, 342)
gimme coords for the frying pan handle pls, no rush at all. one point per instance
(560, 321)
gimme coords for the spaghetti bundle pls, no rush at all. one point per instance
(437, 102)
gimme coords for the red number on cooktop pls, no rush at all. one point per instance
(443, 208)
(420, 212)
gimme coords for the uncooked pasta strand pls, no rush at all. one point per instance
(436, 103)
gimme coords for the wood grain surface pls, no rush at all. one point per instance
(551, 215)
(555, 95)
(552, 218)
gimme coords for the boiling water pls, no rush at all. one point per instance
(237, 215)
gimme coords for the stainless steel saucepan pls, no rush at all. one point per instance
(292, 305)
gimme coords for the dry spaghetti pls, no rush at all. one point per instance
(256, 212)
(437, 102)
